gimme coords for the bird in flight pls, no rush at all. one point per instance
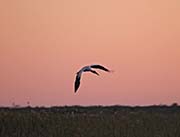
(87, 69)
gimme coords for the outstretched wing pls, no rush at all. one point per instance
(77, 82)
(100, 67)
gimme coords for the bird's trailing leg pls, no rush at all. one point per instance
(94, 72)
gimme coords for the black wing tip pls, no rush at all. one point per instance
(108, 70)
(76, 87)
(75, 90)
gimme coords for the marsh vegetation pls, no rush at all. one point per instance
(93, 121)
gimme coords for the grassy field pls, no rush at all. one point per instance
(95, 121)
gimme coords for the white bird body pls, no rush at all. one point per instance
(84, 69)
(87, 69)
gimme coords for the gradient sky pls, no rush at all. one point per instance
(44, 43)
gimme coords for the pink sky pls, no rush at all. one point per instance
(44, 43)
